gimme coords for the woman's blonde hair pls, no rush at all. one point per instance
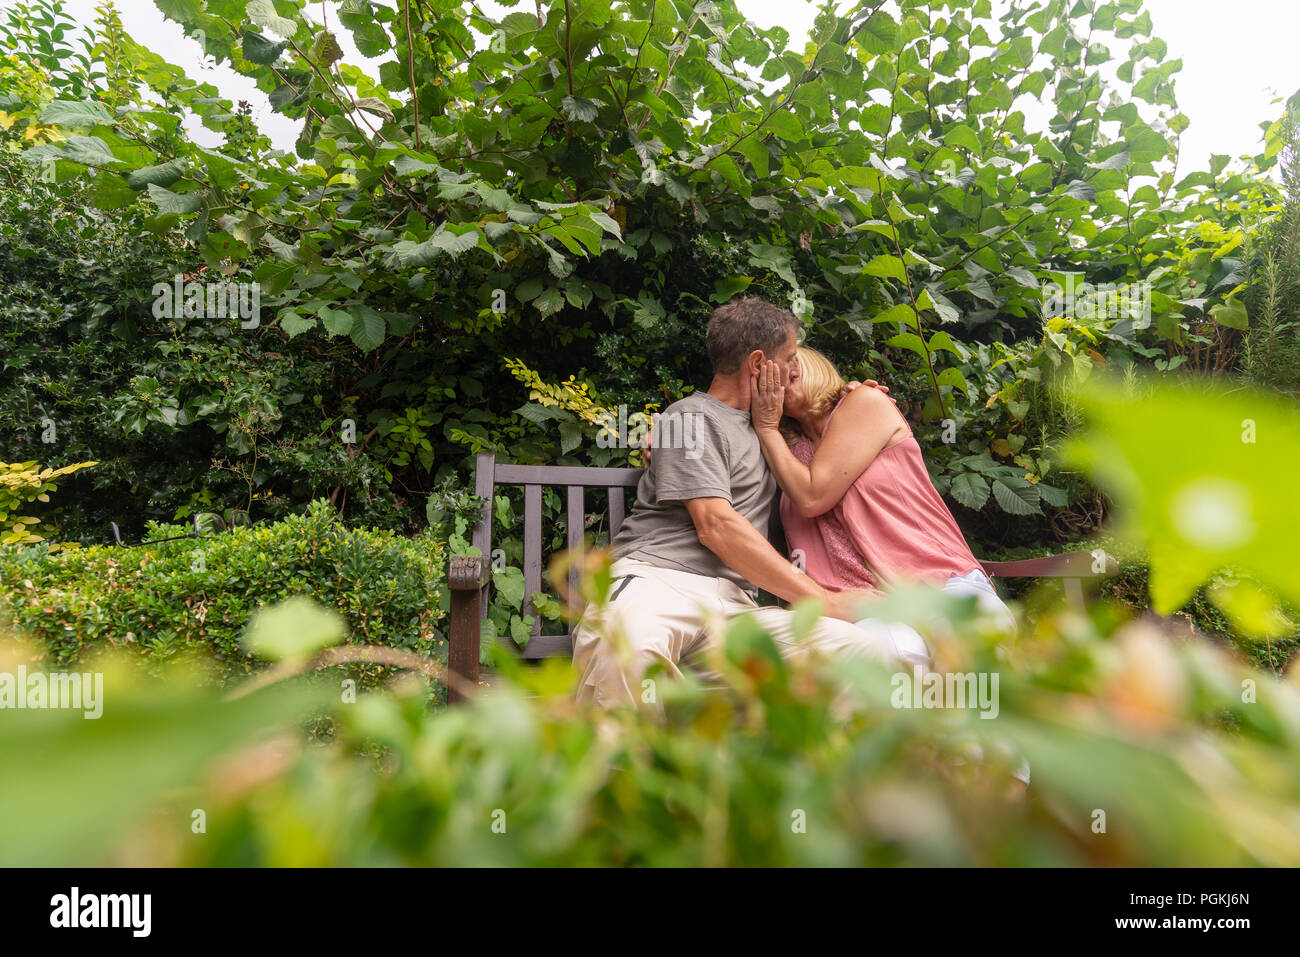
(822, 385)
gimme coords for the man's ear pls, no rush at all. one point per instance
(754, 362)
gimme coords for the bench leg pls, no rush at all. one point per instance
(465, 578)
(1074, 594)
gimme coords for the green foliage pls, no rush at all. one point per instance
(1192, 754)
(766, 772)
(22, 483)
(1207, 478)
(577, 192)
(1270, 350)
(195, 596)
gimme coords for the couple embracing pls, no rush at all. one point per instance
(856, 503)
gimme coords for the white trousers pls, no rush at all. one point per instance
(668, 617)
(908, 646)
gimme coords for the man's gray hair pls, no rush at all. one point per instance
(744, 325)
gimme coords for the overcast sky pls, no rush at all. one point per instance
(1238, 57)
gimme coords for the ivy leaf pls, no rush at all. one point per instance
(509, 584)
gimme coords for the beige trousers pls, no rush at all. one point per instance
(660, 615)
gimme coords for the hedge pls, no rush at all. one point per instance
(196, 595)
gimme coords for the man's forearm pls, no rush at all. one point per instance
(750, 555)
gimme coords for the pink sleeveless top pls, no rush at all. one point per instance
(892, 525)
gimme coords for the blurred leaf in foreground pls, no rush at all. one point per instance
(295, 628)
(74, 787)
(1203, 477)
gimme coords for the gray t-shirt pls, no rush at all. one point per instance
(703, 448)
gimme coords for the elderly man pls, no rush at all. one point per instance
(695, 544)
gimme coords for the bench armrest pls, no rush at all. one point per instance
(1065, 565)
(468, 572)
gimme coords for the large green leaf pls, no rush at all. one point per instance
(970, 490)
(368, 330)
(258, 49)
(169, 202)
(89, 151)
(164, 174)
(1017, 497)
(110, 191)
(76, 113)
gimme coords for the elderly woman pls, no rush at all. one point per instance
(857, 500)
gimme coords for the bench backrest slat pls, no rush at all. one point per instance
(575, 520)
(507, 474)
(616, 511)
(532, 551)
(484, 471)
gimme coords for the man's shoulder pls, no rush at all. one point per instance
(695, 402)
(701, 403)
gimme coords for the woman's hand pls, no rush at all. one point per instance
(870, 384)
(767, 397)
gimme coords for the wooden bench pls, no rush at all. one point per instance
(468, 577)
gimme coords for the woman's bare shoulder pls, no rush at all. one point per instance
(867, 399)
(869, 404)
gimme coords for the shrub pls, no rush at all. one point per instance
(768, 774)
(198, 594)
(22, 483)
